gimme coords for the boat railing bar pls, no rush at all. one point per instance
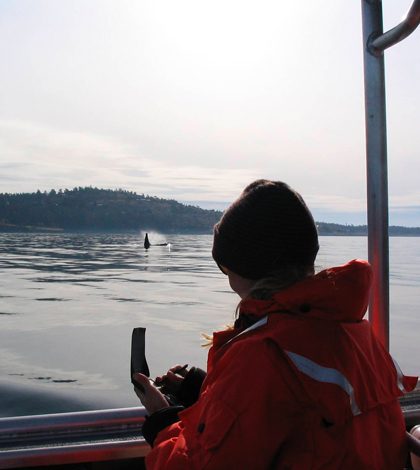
(73, 420)
(375, 41)
(399, 32)
(91, 436)
(411, 417)
(65, 438)
(410, 405)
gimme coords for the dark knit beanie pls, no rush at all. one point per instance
(268, 227)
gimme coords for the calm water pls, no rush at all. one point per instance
(70, 302)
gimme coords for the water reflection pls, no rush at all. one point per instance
(70, 301)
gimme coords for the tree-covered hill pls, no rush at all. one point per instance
(92, 209)
(362, 230)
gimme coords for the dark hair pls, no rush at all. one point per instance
(267, 229)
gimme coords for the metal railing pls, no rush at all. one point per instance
(65, 438)
(93, 436)
(400, 32)
(375, 42)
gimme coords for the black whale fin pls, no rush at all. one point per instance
(146, 242)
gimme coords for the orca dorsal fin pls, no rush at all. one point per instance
(146, 242)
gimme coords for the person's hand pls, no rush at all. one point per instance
(152, 399)
(172, 380)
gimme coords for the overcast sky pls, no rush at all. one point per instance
(192, 100)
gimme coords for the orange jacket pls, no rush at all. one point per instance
(308, 386)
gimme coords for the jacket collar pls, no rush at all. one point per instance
(329, 295)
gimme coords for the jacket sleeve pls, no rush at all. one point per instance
(241, 418)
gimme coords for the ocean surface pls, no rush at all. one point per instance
(68, 304)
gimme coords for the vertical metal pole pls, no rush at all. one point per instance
(377, 171)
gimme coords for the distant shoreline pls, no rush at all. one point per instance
(345, 232)
(93, 210)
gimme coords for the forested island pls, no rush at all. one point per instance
(105, 210)
(101, 210)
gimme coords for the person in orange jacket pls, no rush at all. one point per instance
(300, 381)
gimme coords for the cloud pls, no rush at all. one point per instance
(40, 157)
(36, 156)
(407, 202)
(336, 203)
